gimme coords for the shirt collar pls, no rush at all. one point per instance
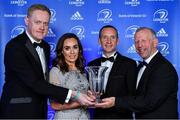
(150, 58)
(112, 55)
(31, 38)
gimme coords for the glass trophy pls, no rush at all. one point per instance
(96, 75)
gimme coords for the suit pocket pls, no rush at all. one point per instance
(20, 100)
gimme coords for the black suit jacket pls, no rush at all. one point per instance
(156, 95)
(25, 90)
(121, 82)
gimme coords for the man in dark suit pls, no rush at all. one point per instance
(26, 62)
(157, 83)
(120, 78)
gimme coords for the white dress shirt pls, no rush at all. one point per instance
(141, 71)
(109, 65)
(40, 52)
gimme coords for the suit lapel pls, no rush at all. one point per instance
(34, 53)
(143, 78)
(46, 52)
(32, 50)
(148, 70)
(113, 69)
(97, 62)
(115, 64)
(47, 57)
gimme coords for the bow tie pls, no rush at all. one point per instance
(38, 44)
(111, 59)
(141, 64)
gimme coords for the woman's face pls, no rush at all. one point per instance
(70, 50)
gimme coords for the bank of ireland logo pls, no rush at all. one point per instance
(160, 16)
(17, 30)
(104, 16)
(163, 48)
(162, 33)
(79, 31)
(130, 31)
(132, 2)
(104, 1)
(53, 16)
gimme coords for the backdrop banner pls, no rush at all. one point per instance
(86, 17)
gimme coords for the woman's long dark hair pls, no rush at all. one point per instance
(60, 60)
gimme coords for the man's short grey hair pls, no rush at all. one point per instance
(38, 7)
(147, 28)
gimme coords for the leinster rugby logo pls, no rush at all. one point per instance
(163, 48)
(53, 16)
(17, 30)
(130, 31)
(51, 115)
(160, 16)
(104, 16)
(53, 47)
(79, 31)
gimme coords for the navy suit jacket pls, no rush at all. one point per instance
(25, 90)
(121, 82)
(156, 95)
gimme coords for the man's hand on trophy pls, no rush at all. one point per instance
(106, 103)
(91, 95)
(83, 99)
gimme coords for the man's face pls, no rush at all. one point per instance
(108, 40)
(37, 24)
(145, 44)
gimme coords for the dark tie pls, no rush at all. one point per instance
(141, 64)
(111, 59)
(35, 44)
